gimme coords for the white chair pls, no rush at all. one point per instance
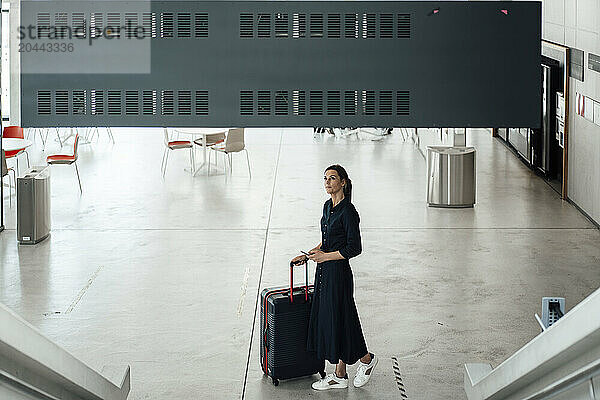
(5, 171)
(176, 145)
(234, 143)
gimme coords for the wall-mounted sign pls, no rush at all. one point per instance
(560, 106)
(594, 62)
(579, 104)
(576, 65)
(587, 108)
(560, 133)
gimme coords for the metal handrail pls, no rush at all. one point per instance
(31, 361)
(564, 355)
(583, 374)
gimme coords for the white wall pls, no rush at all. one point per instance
(15, 64)
(576, 23)
(11, 78)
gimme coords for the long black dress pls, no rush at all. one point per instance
(334, 331)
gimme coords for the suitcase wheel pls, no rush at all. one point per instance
(322, 373)
(275, 382)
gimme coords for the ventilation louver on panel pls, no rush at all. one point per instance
(44, 102)
(79, 100)
(113, 25)
(333, 102)
(96, 24)
(316, 25)
(167, 102)
(298, 25)
(334, 26)
(403, 26)
(246, 25)
(166, 25)
(131, 24)
(201, 27)
(77, 104)
(201, 102)
(350, 102)
(403, 102)
(246, 102)
(386, 26)
(316, 102)
(97, 102)
(114, 102)
(79, 25)
(149, 102)
(61, 101)
(184, 102)
(184, 25)
(369, 26)
(132, 102)
(281, 102)
(299, 102)
(282, 27)
(61, 24)
(264, 102)
(368, 102)
(149, 24)
(264, 25)
(351, 26)
(385, 102)
(43, 25)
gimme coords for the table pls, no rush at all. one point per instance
(201, 132)
(12, 144)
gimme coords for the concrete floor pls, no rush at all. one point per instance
(164, 274)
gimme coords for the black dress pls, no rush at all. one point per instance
(334, 331)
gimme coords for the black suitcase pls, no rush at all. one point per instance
(284, 329)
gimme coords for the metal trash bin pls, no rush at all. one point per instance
(450, 176)
(33, 205)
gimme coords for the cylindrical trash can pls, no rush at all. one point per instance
(450, 176)
(33, 205)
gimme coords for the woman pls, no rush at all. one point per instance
(334, 331)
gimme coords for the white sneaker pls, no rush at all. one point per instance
(331, 381)
(364, 371)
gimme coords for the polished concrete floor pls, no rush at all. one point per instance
(163, 274)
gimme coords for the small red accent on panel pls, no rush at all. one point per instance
(505, 12)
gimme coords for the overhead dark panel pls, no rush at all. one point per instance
(285, 63)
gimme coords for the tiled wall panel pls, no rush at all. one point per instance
(580, 29)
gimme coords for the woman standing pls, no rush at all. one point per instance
(334, 330)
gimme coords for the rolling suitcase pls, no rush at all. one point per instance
(284, 315)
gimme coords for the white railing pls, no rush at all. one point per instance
(34, 367)
(563, 362)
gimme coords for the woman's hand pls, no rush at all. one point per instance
(299, 259)
(318, 256)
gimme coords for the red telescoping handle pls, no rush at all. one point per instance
(292, 281)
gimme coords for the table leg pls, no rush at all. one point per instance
(205, 160)
(204, 151)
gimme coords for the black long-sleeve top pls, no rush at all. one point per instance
(340, 230)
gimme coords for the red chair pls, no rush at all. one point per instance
(67, 159)
(15, 132)
(176, 145)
